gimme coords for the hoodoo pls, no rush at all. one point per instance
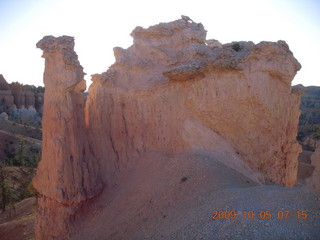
(17, 96)
(172, 92)
(68, 173)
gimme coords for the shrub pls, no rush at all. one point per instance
(236, 47)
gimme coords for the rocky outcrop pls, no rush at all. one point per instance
(314, 180)
(6, 97)
(68, 173)
(171, 92)
(23, 103)
(3, 83)
(16, 95)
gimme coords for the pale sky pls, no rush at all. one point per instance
(98, 26)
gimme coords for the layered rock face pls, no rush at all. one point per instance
(19, 96)
(6, 96)
(3, 83)
(314, 180)
(68, 173)
(174, 91)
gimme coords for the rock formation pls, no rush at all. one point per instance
(23, 103)
(314, 180)
(16, 95)
(6, 96)
(3, 83)
(68, 174)
(172, 92)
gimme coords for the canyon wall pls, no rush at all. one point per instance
(172, 91)
(16, 95)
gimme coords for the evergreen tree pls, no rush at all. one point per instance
(6, 195)
(21, 158)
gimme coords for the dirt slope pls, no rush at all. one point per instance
(18, 224)
(189, 187)
(173, 197)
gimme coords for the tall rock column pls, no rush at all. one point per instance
(68, 174)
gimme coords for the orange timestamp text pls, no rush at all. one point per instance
(264, 214)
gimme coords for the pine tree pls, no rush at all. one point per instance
(21, 158)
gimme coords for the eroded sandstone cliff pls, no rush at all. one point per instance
(16, 95)
(171, 92)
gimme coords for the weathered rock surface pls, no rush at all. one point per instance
(6, 97)
(3, 83)
(314, 180)
(171, 93)
(68, 173)
(16, 95)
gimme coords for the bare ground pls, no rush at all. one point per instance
(305, 169)
(18, 224)
(172, 197)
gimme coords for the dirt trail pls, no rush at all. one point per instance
(172, 197)
(21, 137)
(21, 125)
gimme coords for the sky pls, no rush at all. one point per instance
(100, 25)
